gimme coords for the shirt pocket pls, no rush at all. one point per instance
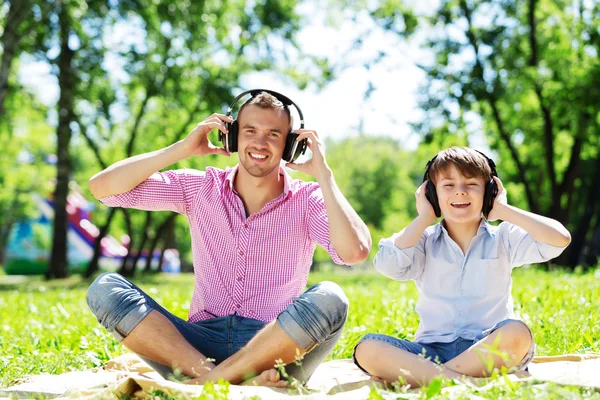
(485, 278)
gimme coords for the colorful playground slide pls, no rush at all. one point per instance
(30, 242)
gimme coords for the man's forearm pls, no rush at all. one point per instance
(126, 174)
(349, 234)
(543, 229)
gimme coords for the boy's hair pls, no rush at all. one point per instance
(469, 162)
(267, 100)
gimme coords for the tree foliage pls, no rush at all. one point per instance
(526, 75)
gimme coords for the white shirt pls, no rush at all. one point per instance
(462, 295)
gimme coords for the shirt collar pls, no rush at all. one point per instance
(286, 179)
(440, 228)
(485, 226)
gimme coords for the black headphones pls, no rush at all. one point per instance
(490, 193)
(292, 149)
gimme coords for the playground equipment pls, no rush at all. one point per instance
(30, 242)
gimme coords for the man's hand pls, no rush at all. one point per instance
(424, 207)
(317, 166)
(197, 144)
(500, 202)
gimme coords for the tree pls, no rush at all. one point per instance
(174, 81)
(528, 71)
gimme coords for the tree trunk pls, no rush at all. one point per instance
(593, 247)
(66, 80)
(160, 234)
(17, 11)
(573, 169)
(492, 100)
(4, 235)
(124, 270)
(578, 241)
(143, 239)
(93, 265)
(169, 240)
(590, 256)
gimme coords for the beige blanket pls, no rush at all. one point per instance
(128, 375)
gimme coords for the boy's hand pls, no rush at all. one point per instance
(197, 143)
(424, 207)
(499, 202)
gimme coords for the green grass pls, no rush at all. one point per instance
(46, 327)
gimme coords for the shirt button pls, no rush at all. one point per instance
(238, 306)
(241, 252)
(239, 278)
(245, 225)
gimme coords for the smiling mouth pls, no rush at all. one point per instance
(258, 157)
(460, 204)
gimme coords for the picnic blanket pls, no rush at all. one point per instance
(128, 375)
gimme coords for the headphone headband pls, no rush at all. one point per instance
(255, 92)
(491, 188)
(490, 162)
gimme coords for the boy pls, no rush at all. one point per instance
(462, 268)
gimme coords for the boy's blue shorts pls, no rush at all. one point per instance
(444, 352)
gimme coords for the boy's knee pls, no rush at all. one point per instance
(517, 335)
(364, 350)
(366, 354)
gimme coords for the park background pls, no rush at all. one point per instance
(386, 83)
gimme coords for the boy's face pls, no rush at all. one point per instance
(460, 197)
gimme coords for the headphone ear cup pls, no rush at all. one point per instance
(223, 137)
(290, 152)
(491, 191)
(301, 149)
(232, 136)
(431, 195)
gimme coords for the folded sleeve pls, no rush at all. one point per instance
(522, 248)
(162, 191)
(318, 224)
(401, 264)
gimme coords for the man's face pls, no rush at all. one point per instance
(261, 139)
(460, 197)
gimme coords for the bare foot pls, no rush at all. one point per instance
(194, 381)
(268, 378)
(378, 382)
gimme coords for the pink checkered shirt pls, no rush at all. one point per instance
(251, 266)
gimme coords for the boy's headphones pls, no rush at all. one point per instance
(490, 193)
(292, 149)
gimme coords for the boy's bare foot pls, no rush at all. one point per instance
(268, 378)
(378, 382)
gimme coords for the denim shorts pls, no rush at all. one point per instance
(441, 353)
(314, 321)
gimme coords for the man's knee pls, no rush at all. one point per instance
(329, 298)
(315, 316)
(102, 295)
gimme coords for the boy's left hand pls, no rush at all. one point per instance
(499, 202)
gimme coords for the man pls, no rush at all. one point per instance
(254, 232)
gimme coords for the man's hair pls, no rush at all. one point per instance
(469, 162)
(267, 100)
